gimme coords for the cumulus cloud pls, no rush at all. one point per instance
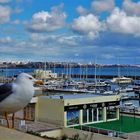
(103, 5)
(81, 10)
(120, 22)
(47, 21)
(5, 13)
(87, 25)
(131, 8)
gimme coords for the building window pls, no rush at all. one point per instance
(91, 115)
(85, 116)
(111, 113)
(90, 112)
(72, 117)
(100, 114)
(95, 114)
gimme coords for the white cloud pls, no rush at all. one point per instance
(108, 56)
(6, 40)
(47, 21)
(17, 10)
(5, 13)
(132, 8)
(68, 40)
(63, 39)
(120, 22)
(81, 10)
(17, 21)
(103, 5)
(87, 25)
(5, 1)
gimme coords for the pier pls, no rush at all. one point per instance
(9, 79)
(131, 98)
(99, 76)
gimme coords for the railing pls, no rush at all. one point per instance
(110, 133)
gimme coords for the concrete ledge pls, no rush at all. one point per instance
(11, 134)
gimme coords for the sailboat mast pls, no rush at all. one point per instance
(95, 78)
(44, 72)
(119, 68)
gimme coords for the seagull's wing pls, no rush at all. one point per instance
(5, 91)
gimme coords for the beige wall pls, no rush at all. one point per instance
(50, 110)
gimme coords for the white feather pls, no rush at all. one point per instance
(23, 91)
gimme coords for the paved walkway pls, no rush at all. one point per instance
(11, 134)
(30, 125)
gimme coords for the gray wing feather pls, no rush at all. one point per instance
(5, 91)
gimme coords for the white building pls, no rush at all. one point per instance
(45, 74)
(79, 109)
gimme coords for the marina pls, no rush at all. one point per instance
(83, 101)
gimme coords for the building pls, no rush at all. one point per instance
(77, 109)
(44, 74)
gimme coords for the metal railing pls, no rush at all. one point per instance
(110, 133)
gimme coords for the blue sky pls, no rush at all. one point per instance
(70, 30)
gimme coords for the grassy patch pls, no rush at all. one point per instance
(125, 124)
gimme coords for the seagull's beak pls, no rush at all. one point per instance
(38, 82)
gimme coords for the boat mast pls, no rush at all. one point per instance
(80, 72)
(45, 72)
(95, 78)
(86, 72)
(67, 69)
(119, 67)
(54, 67)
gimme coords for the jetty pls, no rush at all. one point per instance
(99, 76)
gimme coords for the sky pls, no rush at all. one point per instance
(105, 31)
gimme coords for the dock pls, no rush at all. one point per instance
(99, 76)
(9, 79)
(131, 98)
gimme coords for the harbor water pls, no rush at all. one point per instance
(127, 71)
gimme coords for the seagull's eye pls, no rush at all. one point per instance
(30, 78)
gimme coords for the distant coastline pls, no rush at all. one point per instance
(35, 65)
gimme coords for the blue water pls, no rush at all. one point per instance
(127, 71)
(13, 72)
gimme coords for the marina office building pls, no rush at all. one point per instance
(76, 109)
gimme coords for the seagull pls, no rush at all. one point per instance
(16, 95)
